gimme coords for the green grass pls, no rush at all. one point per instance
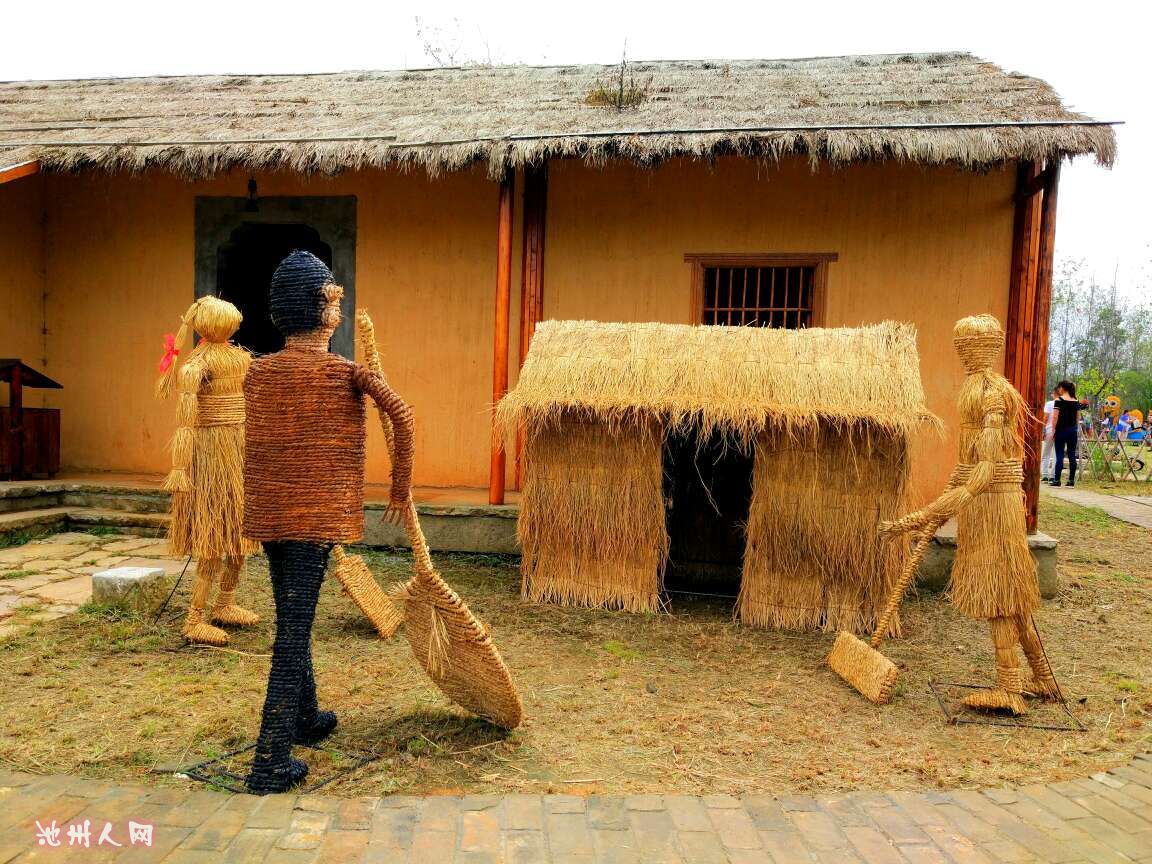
(620, 650)
(16, 574)
(103, 531)
(24, 535)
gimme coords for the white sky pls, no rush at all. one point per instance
(1094, 57)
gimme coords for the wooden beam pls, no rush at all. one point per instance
(16, 420)
(531, 272)
(500, 354)
(1038, 360)
(15, 172)
(1021, 280)
(1037, 183)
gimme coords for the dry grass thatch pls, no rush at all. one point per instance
(828, 413)
(949, 108)
(738, 381)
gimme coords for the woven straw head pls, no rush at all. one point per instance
(979, 340)
(297, 299)
(214, 319)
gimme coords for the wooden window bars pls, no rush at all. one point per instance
(780, 290)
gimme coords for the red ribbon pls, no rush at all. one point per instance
(170, 352)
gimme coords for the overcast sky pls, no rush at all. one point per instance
(1094, 57)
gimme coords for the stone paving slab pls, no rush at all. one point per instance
(1103, 818)
(1127, 508)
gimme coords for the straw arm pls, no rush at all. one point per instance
(403, 428)
(191, 378)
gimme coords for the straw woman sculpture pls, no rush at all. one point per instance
(304, 492)
(994, 574)
(207, 479)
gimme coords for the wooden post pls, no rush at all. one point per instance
(1038, 361)
(1029, 305)
(16, 421)
(503, 302)
(531, 272)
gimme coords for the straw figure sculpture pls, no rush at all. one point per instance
(304, 491)
(994, 574)
(207, 476)
(827, 414)
(448, 641)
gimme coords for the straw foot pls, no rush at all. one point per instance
(996, 699)
(199, 633)
(236, 616)
(1043, 688)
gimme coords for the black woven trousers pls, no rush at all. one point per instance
(297, 569)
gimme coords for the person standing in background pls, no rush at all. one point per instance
(1067, 430)
(1048, 453)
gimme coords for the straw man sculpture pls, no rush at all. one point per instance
(304, 491)
(994, 574)
(207, 481)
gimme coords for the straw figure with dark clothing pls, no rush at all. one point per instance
(994, 574)
(304, 492)
(1067, 430)
(207, 476)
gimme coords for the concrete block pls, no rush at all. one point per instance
(936, 567)
(141, 588)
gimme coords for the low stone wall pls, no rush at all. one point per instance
(448, 527)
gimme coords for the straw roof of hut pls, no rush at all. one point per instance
(949, 108)
(735, 380)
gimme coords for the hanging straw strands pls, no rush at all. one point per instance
(448, 641)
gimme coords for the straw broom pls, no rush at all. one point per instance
(448, 641)
(860, 663)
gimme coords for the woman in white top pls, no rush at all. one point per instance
(1048, 453)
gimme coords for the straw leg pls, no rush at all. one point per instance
(1043, 682)
(297, 570)
(196, 629)
(226, 611)
(1007, 695)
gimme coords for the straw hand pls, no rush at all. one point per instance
(396, 512)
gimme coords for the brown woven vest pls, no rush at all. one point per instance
(304, 449)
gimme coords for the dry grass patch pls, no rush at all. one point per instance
(615, 702)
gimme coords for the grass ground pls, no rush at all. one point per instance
(1115, 487)
(687, 701)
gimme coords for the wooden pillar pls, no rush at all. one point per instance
(16, 422)
(531, 272)
(503, 303)
(1029, 305)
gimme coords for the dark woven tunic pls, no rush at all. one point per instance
(304, 447)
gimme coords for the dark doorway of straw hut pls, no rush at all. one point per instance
(245, 264)
(708, 489)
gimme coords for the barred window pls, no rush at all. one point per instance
(759, 290)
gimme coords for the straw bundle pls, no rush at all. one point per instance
(591, 526)
(448, 641)
(359, 583)
(813, 559)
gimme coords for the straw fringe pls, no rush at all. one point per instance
(813, 560)
(592, 521)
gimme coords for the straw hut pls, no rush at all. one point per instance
(821, 417)
(909, 187)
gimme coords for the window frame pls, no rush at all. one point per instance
(817, 260)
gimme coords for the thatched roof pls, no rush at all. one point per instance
(924, 108)
(737, 380)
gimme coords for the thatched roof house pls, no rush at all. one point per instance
(826, 415)
(687, 196)
(925, 108)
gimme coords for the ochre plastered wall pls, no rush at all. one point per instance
(121, 267)
(22, 280)
(921, 245)
(926, 246)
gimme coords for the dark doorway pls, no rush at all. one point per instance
(708, 486)
(244, 267)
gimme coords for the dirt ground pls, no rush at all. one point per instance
(687, 701)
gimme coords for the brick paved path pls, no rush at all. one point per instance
(1107, 818)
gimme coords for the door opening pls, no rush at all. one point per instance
(245, 263)
(708, 487)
